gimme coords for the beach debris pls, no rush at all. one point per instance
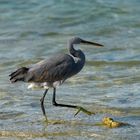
(111, 123)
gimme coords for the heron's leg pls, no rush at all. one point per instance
(42, 103)
(61, 105)
(71, 106)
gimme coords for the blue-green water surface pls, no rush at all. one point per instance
(109, 84)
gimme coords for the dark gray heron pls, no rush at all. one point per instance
(54, 71)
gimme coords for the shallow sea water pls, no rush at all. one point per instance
(109, 84)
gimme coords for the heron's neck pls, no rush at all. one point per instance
(79, 56)
(71, 49)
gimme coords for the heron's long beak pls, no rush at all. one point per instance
(91, 43)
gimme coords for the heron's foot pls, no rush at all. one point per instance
(46, 119)
(84, 111)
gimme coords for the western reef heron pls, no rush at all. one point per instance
(52, 72)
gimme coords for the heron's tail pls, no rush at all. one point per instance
(19, 75)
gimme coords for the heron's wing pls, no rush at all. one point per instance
(54, 69)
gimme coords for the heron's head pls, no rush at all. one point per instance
(77, 40)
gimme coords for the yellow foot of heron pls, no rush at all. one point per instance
(46, 119)
(84, 111)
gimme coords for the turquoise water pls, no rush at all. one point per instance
(109, 84)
